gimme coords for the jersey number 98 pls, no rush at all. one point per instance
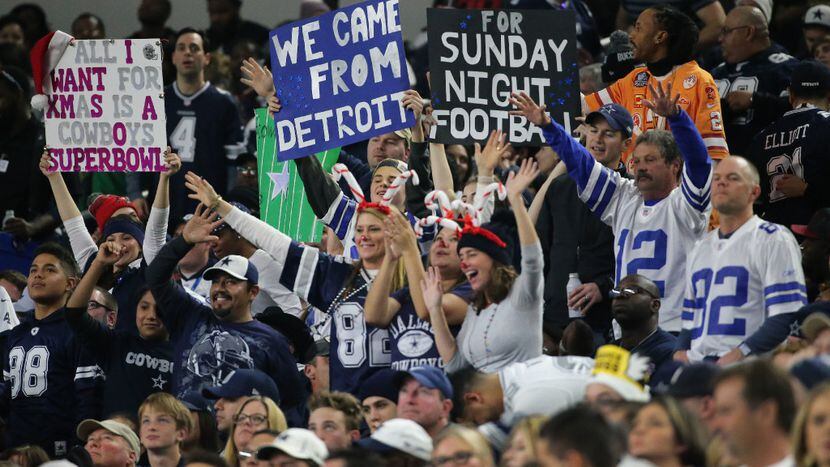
(28, 371)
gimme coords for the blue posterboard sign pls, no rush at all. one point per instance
(340, 78)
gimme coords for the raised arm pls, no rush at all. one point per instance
(441, 173)
(379, 309)
(486, 160)
(517, 182)
(156, 231)
(433, 297)
(539, 199)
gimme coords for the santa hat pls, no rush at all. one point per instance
(45, 56)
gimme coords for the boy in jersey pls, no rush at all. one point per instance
(202, 121)
(664, 39)
(654, 218)
(210, 343)
(51, 383)
(743, 275)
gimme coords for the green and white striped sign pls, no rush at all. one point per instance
(282, 198)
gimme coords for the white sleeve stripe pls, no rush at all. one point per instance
(691, 186)
(332, 209)
(305, 272)
(605, 97)
(715, 142)
(82, 369)
(585, 194)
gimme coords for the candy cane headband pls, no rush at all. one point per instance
(340, 170)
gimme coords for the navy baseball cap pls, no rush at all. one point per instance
(380, 384)
(617, 117)
(244, 382)
(235, 266)
(693, 380)
(811, 372)
(194, 401)
(429, 376)
(809, 78)
(224, 225)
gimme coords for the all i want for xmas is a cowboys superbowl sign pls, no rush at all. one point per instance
(106, 107)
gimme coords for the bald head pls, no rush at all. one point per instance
(642, 282)
(751, 16)
(735, 186)
(747, 170)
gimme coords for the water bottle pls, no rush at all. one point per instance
(9, 215)
(573, 283)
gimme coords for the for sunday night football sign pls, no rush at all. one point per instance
(106, 107)
(340, 78)
(478, 57)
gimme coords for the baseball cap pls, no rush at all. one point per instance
(429, 376)
(86, 427)
(814, 324)
(234, 266)
(693, 380)
(616, 115)
(818, 15)
(298, 443)
(244, 382)
(818, 228)
(401, 435)
(194, 401)
(811, 372)
(380, 384)
(809, 77)
(224, 225)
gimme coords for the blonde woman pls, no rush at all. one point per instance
(459, 445)
(521, 448)
(255, 414)
(811, 430)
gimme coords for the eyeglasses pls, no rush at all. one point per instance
(629, 291)
(246, 171)
(459, 458)
(724, 31)
(252, 419)
(93, 305)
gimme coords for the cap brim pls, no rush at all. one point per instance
(212, 272)
(374, 445)
(86, 427)
(213, 392)
(266, 452)
(803, 230)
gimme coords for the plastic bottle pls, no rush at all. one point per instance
(573, 283)
(9, 215)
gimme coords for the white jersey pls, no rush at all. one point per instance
(733, 284)
(543, 386)
(651, 238)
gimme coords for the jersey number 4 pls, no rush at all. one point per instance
(27, 370)
(183, 138)
(714, 326)
(351, 337)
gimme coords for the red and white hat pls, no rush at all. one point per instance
(45, 56)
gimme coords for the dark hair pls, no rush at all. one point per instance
(502, 277)
(42, 27)
(70, 267)
(16, 278)
(340, 401)
(32, 455)
(463, 381)
(577, 339)
(189, 30)
(687, 430)
(664, 141)
(585, 431)
(88, 15)
(356, 457)
(9, 19)
(208, 435)
(682, 31)
(763, 382)
(204, 457)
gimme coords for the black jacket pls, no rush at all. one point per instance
(574, 240)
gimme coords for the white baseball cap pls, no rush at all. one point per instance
(298, 443)
(402, 435)
(235, 266)
(818, 15)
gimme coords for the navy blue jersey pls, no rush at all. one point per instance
(659, 348)
(796, 144)
(413, 340)
(134, 367)
(200, 128)
(766, 75)
(52, 384)
(207, 350)
(332, 285)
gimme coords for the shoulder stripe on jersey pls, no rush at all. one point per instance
(606, 197)
(305, 272)
(86, 372)
(700, 198)
(700, 190)
(790, 298)
(687, 316)
(605, 97)
(784, 286)
(342, 217)
(696, 205)
(599, 186)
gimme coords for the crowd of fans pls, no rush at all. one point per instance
(653, 289)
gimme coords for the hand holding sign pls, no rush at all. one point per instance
(172, 161)
(46, 165)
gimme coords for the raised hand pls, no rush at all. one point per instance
(517, 182)
(529, 109)
(202, 190)
(412, 101)
(661, 102)
(399, 234)
(489, 158)
(200, 227)
(257, 77)
(109, 253)
(45, 165)
(433, 289)
(172, 161)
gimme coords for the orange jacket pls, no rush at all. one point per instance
(698, 97)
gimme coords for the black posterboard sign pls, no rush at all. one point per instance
(478, 57)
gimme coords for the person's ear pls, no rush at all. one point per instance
(207, 58)
(355, 435)
(473, 397)
(181, 434)
(253, 291)
(660, 37)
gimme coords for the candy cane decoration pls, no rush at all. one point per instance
(432, 220)
(397, 184)
(495, 187)
(438, 201)
(340, 170)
